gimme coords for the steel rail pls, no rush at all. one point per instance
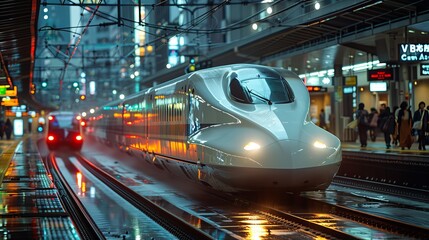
(170, 222)
(85, 225)
(387, 224)
(386, 188)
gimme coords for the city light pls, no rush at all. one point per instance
(121, 96)
(317, 5)
(255, 26)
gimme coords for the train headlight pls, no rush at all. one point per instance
(251, 146)
(319, 144)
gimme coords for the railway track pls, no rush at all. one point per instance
(320, 220)
(383, 187)
(85, 225)
(175, 225)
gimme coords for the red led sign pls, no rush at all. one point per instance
(380, 75)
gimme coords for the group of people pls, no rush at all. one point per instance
(398, 126)
(6, 128)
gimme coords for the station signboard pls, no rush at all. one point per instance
(350, 81)
(4, 91)
(380, 74)
(11, 102)
(413, 52)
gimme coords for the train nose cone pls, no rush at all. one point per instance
(299, 154)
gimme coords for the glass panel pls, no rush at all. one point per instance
(256, 86)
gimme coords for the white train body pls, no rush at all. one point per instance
(238, 127)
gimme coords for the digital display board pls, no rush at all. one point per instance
(380, 74)
(413, 52)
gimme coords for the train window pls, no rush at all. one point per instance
(260, 87)
(238, 93)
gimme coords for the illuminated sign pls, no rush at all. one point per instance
(350, 81)
(380, 75)
(10, 102)
(412, 52)
(18, 127)
(424, 69)
(316, 89)
(349, 90)
(378, 86)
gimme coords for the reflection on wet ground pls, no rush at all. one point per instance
(404, 210)
(29, 204)
(113, 215)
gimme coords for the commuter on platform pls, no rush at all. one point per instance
(8, 128)
(362, 117)
(405, 124)
(387, 125)
(1, 128)
(420, 118)
(322, 119)
(373, 120)
(395, 134)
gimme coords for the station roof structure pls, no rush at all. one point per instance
(18, 35)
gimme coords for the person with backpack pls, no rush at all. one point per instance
(420, 120)
(362, 117)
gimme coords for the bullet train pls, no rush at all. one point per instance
(235, 128)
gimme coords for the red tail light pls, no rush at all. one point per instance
(79, 138)
(51, 138)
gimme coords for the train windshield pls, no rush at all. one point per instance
(65, 121)
(259, 89)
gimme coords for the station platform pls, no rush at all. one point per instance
(380, 146)
(30, 206)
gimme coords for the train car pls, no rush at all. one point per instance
(240, 127)
(64, 129)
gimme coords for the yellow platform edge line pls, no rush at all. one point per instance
(6, 157)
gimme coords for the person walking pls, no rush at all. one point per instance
(1, 128)
(322, 119)
(420, 122)
(373, 120)
(362, 117)
(395, 135)
(8, 128)
(387, 125)
(405, 123)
